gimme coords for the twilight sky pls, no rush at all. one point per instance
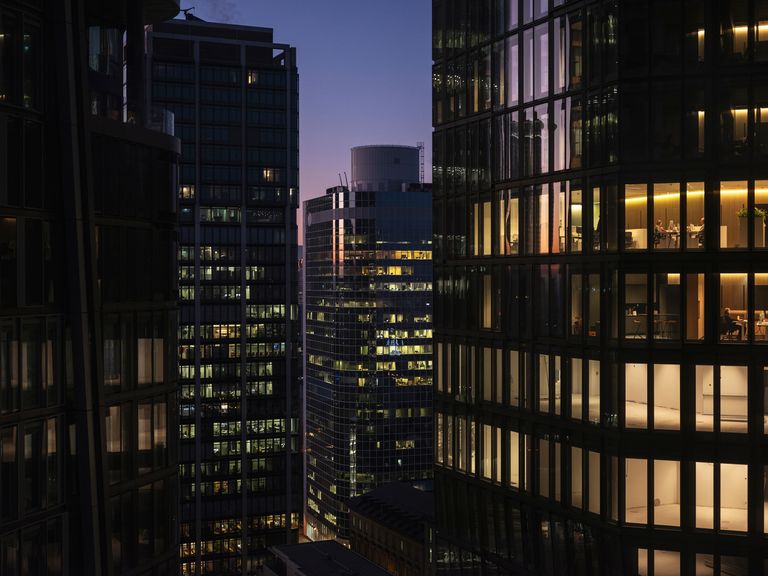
(365, 74)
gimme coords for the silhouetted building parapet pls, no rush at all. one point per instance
(327, 558)
(392, 526)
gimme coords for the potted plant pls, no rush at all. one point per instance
(758, 216)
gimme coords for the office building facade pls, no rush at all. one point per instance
(368, 282)
(601, 284)
(88, 475)
(233, 92)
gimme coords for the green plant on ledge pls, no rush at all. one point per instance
(757, 213)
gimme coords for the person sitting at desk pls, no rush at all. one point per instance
(658, 232)
(728, 325)
(700, 234)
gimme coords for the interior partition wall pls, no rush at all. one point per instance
(601, 285)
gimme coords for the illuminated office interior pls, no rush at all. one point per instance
(601, 286)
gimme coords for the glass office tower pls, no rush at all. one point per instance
(88, 475)
(368, 340)
(233, 91)
(601, 190)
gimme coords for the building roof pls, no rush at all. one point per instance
(327, 558)
(398, 506)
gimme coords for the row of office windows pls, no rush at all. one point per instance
(563, 217)
(218, 235)
(627, 490)
(661, 35)
(562, 135)
(231, 254)
(632, 395)
(634, 307)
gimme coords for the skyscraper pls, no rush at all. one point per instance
(234, 93)
(88, 475)
(368, 346)
(601, 286)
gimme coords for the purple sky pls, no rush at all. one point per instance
(364, 71)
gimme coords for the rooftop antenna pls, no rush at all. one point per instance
(421, 161)
(346, 179)
(341, 182)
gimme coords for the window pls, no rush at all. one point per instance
(666, 397)
(733, 399)
(694, 306)
(666, 214)
(577, 315)
(733, 215)
(593, 413)
(705, 495)
(34, 466)
(760, 212)
(705, 398)
(536, 140)
(733, 497)
(8, 474)
(593, 305)
(732, 323)
(544, 467)
(636, 395)
(593, 503)
(577, 478)
(636, 491)
(575, 209)
(666, 306)
(514, 459)
(666, 493)
(760, 317)
(9, 368)
(636, 217)
(694, 200)
(8, 255)
(559, 217)
(514, 378)
(734, 119)
(734, 31)
(635, 306)
(511, 75)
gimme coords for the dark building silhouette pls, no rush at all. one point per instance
(392, 526)
(318, 559)
(368, 338)
(601, 286)
(234, 95)
(88, 423)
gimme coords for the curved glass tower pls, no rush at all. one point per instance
(601, 278)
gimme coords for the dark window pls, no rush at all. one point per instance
(8, 262)
(9, 59)
(34, 465)
(8, 475)
(30, 51)
(666, 41)
(633, 120)
(665, 102)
